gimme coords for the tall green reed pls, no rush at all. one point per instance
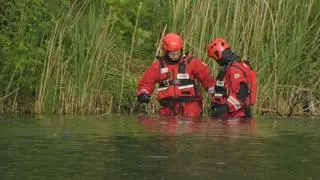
(73, 77)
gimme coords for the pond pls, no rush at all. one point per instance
(151, 147)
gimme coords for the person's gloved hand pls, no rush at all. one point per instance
(219, 109)
(143, 98)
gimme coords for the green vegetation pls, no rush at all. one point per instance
(86, 56)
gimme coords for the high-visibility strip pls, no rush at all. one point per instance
(218, 95)
(234, 102)
(187, 86)
(162, 89)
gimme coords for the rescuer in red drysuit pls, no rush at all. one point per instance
(177, 76)
(236, 86)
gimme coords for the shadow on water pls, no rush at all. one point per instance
(151, 147)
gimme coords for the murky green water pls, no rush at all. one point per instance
(155, 148)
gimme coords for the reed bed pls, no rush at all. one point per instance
(74, 76)
(88, 70)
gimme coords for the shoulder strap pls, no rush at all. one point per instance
(161, 61)
(222, 73)
(183, 64)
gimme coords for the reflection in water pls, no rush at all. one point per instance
(152, 147)
(177, 125)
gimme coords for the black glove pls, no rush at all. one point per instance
(143, 98)
(219, 109)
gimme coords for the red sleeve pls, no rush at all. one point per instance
(234, 77)
(151, 76)
(201, 72)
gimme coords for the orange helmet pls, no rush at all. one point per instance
(172, 42)
(216, 47)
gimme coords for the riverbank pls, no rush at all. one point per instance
(85, 57)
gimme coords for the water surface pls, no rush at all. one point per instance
(146, 147)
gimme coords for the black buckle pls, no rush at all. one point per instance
(166, 83)
(220, 83)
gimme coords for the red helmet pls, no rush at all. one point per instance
(172, 42)
(216, 47)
